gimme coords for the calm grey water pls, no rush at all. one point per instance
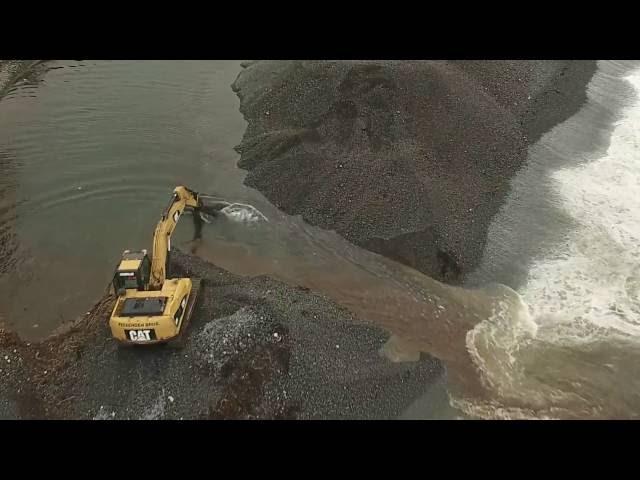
(90, 155)
(90, 151)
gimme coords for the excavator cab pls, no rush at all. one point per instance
(132, 273)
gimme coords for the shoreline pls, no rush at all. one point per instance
(512, 247)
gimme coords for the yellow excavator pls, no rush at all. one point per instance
(151, 308)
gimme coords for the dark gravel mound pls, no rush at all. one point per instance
(410, 159)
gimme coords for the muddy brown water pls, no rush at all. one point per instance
(90, 151)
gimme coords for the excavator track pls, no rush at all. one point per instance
(179, 340)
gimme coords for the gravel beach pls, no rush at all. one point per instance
(256, 348)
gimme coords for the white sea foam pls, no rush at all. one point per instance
(582, 295)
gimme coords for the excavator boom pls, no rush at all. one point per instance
(182, 198)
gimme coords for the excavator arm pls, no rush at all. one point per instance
(181, 199)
